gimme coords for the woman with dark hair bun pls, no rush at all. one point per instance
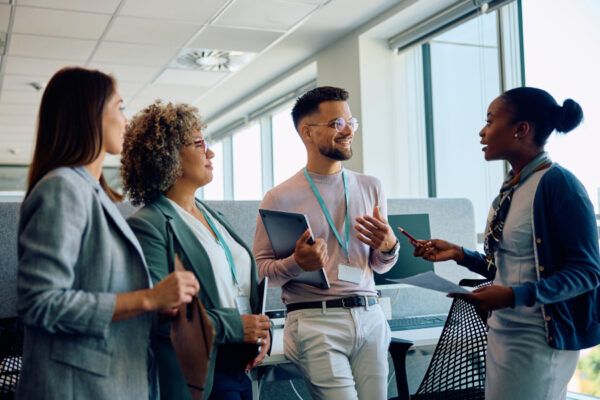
(84, 290)
(541, 250)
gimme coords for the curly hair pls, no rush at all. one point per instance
(155, 136)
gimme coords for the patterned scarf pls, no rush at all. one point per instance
(501, 205)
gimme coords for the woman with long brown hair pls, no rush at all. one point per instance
(84, 292)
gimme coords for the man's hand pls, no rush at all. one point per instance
(310, 257)
(437, 250)
(489, 298)
(375, 231)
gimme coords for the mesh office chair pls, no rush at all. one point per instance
(11, 348)
(457, 368)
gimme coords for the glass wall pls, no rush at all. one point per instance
(247, 176)
(465, 77)
(561, 57)
(289, 153)
(215, 190)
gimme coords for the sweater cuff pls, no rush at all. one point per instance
(291, 266)
(524, 295)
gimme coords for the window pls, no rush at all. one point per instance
(561, 59)
(215, 190)
(247, 176)
(464, 78)
(289, 153)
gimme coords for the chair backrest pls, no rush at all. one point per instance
(457, 368)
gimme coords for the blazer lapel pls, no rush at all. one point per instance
(192, 250)
(111, 211)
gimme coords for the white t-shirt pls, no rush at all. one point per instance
(218, 259)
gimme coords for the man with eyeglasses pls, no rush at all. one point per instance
(337, 337)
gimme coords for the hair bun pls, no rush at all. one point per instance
(568, 116)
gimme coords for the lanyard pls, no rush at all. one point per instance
(223, 245)
(343, 244)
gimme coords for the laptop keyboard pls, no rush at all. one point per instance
(417, 322)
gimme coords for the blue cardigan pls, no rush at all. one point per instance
(567, 262)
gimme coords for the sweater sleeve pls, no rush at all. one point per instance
(279, 271)
(569, 229)
(378, 261)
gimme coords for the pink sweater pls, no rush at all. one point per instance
(295, 195)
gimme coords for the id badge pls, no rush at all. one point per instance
(243, 304)
(349, 274)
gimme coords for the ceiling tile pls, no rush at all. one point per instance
(104, 6)
(183, 10)
(151, 31)
(204, 79)
(264, 14)
(20, 97)
(172, 93)
(4, 17)
(50, 47)
(23, 82)
(18, 109)
(34, 66)
(41, 21)
(127, 73)
(133, 54)
(129, 89)
(248, 40)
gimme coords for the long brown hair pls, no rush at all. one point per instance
(69, 129)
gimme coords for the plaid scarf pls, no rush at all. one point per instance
(501, 205)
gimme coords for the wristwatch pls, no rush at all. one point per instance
(393, 250)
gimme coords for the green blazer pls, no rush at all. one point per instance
(162, 233)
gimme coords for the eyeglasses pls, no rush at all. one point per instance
(198, 142)
(339, 124)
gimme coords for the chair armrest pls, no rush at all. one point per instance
(398, 349)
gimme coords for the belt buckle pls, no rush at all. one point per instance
(344, 302)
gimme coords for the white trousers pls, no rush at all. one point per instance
(342, 353)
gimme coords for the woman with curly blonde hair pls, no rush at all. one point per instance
(165, 160)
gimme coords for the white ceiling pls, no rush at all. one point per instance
(137, 41)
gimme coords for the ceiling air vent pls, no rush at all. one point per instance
(211, 60)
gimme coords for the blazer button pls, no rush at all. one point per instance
(547, 318)
(538, 240)
(541, 268)
(550, 338)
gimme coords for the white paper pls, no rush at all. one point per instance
(429, 280)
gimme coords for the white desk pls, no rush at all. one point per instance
(419, 337)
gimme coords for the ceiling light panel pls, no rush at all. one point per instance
(41, 21)
(23, 82)
(133, 54)
(50, 47)
(249, 40)
(180, 10)
(103, 6)
(17, 109)
(20, 97)
(190, 78)
(127, 73)
(151, 31)
(264, 14)
(34, 66)
(4, 17)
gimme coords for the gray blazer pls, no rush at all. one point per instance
(75, 253)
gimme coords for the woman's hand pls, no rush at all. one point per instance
(437, 250)
(177, 288)
(264, 349)
(256, 328)
(489, 298)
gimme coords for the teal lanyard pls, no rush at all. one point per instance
(343, 244)
(223, 245)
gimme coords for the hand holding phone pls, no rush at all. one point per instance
(410, 237)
